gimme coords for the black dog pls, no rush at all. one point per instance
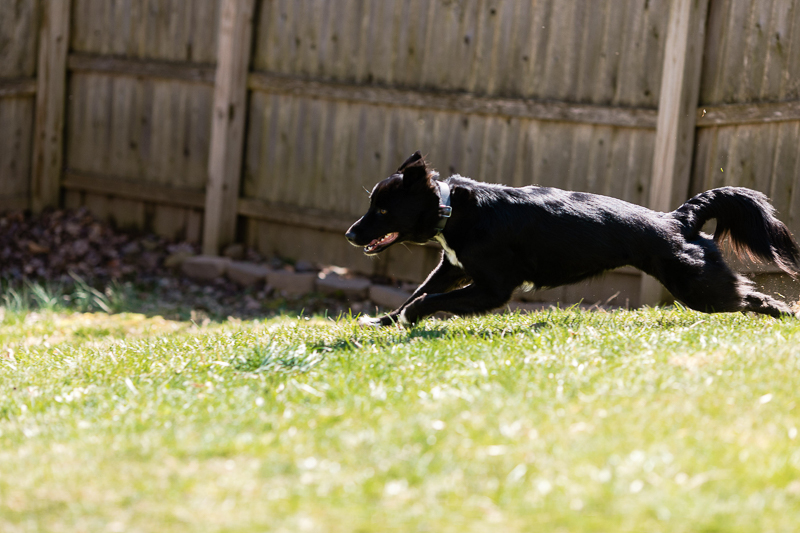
(497, 238)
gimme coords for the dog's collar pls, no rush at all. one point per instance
(444, 205)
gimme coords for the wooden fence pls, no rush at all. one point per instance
(261, 121)
(19, 24)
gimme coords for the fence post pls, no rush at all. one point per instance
(227, 124)
(51, 74)
(677, 111)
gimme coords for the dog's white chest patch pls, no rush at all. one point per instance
(449, 252)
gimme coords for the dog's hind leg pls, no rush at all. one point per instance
(701, 279)
(728, 293)
(766, 305)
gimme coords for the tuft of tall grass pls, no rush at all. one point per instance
(76, 295)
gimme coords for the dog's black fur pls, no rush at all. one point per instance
(499, 238)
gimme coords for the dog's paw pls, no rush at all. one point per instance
(370, 322)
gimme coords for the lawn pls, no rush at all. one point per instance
(568, 420)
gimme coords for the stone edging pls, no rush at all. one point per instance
(354, 289)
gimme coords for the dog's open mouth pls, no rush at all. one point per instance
(379, 244)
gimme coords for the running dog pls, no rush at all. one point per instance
(496, 238)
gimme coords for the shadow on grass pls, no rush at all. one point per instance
(274, 357)
(451, 329)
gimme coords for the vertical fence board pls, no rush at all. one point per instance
(50, 92)
(509, 48)
(18, 44)
(639, 166)
(672, 160)
(604, 87)
(756, 57)
(147, 29)
(595, 13)
(714, 50)
(16, 115)
(783, 179)
(737, 34)
(778, 36)
(790, 83)
(227, 127)
(19, 22)
(752, 52)
(679, 93)
(579, 163)
(151, 131)
(794, 177)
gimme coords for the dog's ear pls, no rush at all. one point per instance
(414, 169)
(415, 158)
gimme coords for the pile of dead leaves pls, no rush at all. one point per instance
(75, 253)
(58, 245)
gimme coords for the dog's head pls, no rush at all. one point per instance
(402, 208)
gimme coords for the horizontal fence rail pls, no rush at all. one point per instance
(122, 66)
(754, 113)
(18, 87)
(455, 102)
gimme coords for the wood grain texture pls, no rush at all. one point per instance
(291, 215)
(227, 126)
(172, 213)
(141, 68)
(456, 101)
(17, 87)
(116, 186)
(19, 24)
(589, 51)
(48, 140)
(150, 130)
(750, 113)
(294, 243)
(13, 203)
(169, 30)
(677, 108)
(321, 154)
(752, 52)
(764, 157)
(675, 131)
(16, 116)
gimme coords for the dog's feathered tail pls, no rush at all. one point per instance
(747, 220)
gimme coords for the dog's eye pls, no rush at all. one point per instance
(382, 211)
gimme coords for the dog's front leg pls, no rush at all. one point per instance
(443, 278)
(473, 299)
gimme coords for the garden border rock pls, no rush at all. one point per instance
(356, 290)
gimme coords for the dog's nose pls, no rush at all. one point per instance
(350, 236)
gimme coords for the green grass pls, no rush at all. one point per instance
(652, 420)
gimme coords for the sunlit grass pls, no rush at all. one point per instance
(651, 420)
